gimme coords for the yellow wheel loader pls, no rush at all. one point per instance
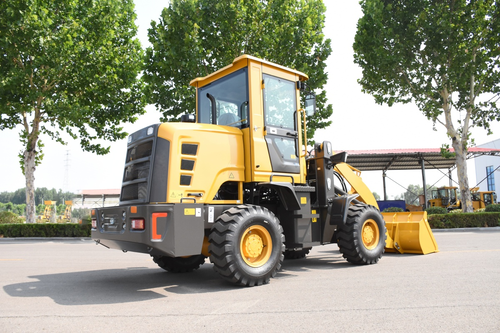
(481, 199)
(445, 197)
(49, 213)
(236, 184)
(66, 218)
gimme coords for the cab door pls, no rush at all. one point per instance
(280, 121)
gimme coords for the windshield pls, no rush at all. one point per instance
(443, 193)
(225, 101)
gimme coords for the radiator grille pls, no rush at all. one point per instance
(135, 192)
(146, 168)
(140, 151)
(137, 172)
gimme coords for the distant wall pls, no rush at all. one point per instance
(482, 162)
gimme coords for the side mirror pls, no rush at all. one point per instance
(310, 104)
(188, 118)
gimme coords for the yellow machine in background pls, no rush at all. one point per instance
(447, 197)
(234, 183)
(482, 199)
(66, 218)
(49, 213)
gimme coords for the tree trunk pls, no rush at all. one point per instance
(463, 180)
(29, 172)
(459, 144)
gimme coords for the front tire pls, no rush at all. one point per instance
(362, 239)
(247, 245)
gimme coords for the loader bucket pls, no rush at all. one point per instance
(409, 232)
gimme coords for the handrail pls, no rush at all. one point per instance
(304, 115)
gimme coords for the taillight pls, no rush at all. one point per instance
(138, 224)
(94, 223)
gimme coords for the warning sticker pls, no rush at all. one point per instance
(211, 211)
(176, 195)
(189, 211)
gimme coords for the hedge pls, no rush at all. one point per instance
(436, 210)
(464, 220)
(44, 230)
(393, 210)
(492, 208)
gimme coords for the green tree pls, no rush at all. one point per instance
(67, 66)
(444, 56)
(60, 209)
(80, 213)
(193, 38)
(20, 209)
(5, 197)
(411, 196)
(19, 196)
(40, 208)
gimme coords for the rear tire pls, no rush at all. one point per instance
(179, 264)
(247, 245)
(297, 254)
(362, 239)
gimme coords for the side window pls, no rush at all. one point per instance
(279, 102)
(490, 178)
(225, 101)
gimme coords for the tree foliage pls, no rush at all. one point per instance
(412, 193)
(444, 56)
(68, 66)
(41, 194)
(10, 207)
(194, 38)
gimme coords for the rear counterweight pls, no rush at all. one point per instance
(169, 229)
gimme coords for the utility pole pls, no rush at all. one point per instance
(66, 173)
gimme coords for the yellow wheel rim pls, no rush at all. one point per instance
(370, 234)
(256, 246)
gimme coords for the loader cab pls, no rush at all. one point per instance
(482, 199)
(261, 99)
(445, 197)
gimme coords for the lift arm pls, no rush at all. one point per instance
(353, 177)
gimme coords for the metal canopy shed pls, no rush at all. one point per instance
(409, 159)
(98, 198)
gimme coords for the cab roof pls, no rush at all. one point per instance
(242, 61)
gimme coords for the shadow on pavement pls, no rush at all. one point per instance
(113, 286)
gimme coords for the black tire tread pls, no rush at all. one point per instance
(297, 254)
(349, 238)
(180, 264)
(223, 248)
